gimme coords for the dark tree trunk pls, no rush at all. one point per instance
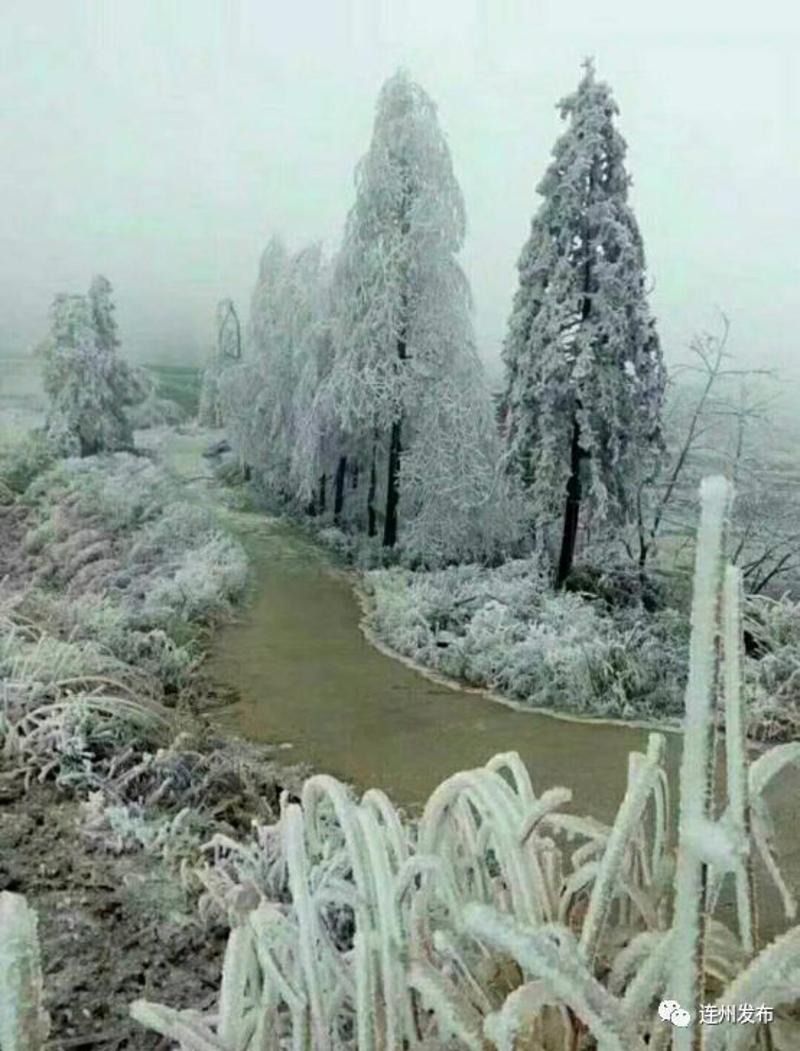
(392, 486)
(321, 501)
(372, 527)
(572, 509)
(338, 498)
(395, 436)
(395, 448)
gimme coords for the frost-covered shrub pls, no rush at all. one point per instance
(23, 461)
(132, 570)
(133, 826)
(504, 629)
(157, 556)
(774, 669)
(177, 528)
(113, 627)
(618, 586)
(206, 580)
(120, 490)
(356, 549)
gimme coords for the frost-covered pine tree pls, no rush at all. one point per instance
(584, 373)
(400, 299)
(89, 387)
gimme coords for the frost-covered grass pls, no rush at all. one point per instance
(504, 629)
(500, 921)
(120, 574)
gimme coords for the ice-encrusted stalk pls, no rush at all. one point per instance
(773, 977)
(695, 773)
(309, 935)
(549, 952)
(24, 1025)
(642, 781)
(736, 750)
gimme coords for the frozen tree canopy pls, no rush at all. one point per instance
(88, 385)
(584, 372)
(402, 330)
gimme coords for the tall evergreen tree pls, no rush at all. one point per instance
(401, 302)
(584, 373)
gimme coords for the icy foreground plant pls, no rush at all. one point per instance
(497, 921)
(24, 1024)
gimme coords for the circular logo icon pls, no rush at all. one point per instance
(680, 1017)
(665, 1009)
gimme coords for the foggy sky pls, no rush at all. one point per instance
(162, 143)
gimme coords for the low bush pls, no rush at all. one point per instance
(504, 629)
(600, 649)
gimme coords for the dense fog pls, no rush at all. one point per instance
(163, 147)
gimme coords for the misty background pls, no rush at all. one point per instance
(162, 143)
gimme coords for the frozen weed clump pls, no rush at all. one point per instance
(504, 629)
(499, 921)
